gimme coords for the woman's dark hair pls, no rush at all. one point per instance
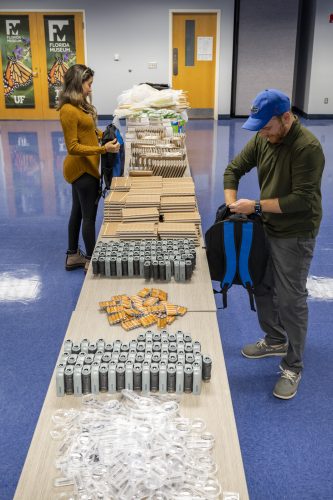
(71, 91)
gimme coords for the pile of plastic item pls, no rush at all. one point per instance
(136, 448)
(144, 96)
(157, 114)
(148, 307)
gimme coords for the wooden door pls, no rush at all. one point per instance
(194, 59)
(34, 56)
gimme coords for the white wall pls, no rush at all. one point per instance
(139, 32)
(266, 49)
(321, 76)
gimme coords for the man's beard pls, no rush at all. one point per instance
(277, 138)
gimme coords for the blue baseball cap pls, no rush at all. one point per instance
(269, 103)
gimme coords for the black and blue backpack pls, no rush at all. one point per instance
(112, 164)
(237, 252)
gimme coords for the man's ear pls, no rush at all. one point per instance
(287, 117)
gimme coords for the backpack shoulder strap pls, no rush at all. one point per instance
(243, 262)
(230, 259)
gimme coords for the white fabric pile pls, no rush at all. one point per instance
(144, 96)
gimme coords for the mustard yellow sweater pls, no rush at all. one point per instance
(81, 139)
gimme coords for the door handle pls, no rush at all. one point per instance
(175, 62)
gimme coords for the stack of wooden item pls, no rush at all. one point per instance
(166, 157)
(151, 207)
(154, 135)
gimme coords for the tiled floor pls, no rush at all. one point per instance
(287, 442)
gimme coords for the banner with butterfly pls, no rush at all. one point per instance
(60, 52)
(16, 61)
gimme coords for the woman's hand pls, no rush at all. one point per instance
(112, 146)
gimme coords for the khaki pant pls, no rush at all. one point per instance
(282, 297)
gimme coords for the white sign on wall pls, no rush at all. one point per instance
(204, 48)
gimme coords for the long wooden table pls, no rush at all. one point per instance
(213, 405)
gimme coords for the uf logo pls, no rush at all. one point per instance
(19, 99)
(11, 27)
(55, 30)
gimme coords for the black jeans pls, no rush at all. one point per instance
(84, 208)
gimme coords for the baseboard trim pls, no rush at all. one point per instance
(223, 117)
(312, 116)
(105, 117)
(200, 113)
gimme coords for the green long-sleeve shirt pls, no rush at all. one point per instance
(290, 171)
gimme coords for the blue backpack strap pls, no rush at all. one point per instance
(243, 262)
(230, 259)
(119, 137)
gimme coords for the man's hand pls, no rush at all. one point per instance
(242, 206)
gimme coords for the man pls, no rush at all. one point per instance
(290, 162)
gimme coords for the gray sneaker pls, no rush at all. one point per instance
(286, 387)
(261, 350)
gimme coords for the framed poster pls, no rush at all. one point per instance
(60, 52)
(16, 61)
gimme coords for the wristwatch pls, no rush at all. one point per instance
(257, 208)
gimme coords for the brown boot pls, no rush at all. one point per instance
(74, 261)
(86, 267)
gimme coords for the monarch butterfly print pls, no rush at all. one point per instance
(57, 72)
(16, 75)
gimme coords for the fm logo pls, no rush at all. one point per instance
(22, 141)
(11, 27)
(61, 145)
(56, 30)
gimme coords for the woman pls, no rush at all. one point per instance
(81, 166)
